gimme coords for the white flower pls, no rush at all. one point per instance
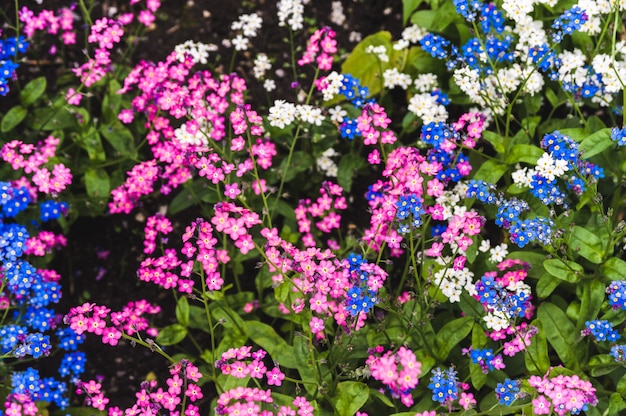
(522, 178)
(355, 36)
(261, 65)
(401, 45)
(269, 85)
(199, 52)
(393, 78)
(485, 245)
(337, 114)
(310, 114)
(496, 321)
(241, 43)
(380, 51)
(425, 82)
(290, 12)
(498, 253)
(336, 15)
(413, 33)
(333, 83)
(281, 114)
(425, 106)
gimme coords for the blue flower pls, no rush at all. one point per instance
(435, 45)
(507, 391)
(601, 330)
(443, 385)
(570, 21)
(617, 294)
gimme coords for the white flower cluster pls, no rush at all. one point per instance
(291, 13)
(380, 51)
(393, 78)
(248, 25)
(410, 35)
(262, 64)
(547, 167)
(594, 9)
(283, 113)
(199, 52)
(426, 107)
(426, 82)
(336, 15)
(496, 254)
(333, 83)
(452, 282)
(326, 164)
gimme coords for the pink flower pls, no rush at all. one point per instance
(275, 377)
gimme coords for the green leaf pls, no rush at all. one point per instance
(48, 118)
(91, 142)
(436, 20)
(616, 404)
(193, 192)
(12, 118)
(348, 165)
(366, 66)
(267, 338)
(587, 244)
(568, 271)
(536, 357)
(171, 335)
(602, 364)
(546, 285)
(561, 334)
(120, 138)
(596, 143)
(408, 7)
(349, 397)
(614, 268)
(33, 90)
(97, 183)
(451, 334)
(496, 140)
(591, 301)
(490, 171)
(384, 399)
(526, 153)
(300, 161)
(182, 311)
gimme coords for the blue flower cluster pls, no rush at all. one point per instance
(356, 94)
(618, 352)
(563, 148)
(487, 15)
(443, 384)
(52, 210)
(9, 48)
(360, 297)
(522, 231)
(619, 135)
(601, 330)
(435, 134)
(617, 294)
(410, 205)
(13, 200)
(569, 22)
(496, 297)
(507, 391)
(483, 357)
(46, 389)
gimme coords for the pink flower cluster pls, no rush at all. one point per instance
(242, 362)
(325, 208)
(398, 371)
(320, 48)
(167, 88)
(20, 404)
(105, 33)
(199, 245)
(474, 124)
(181, 386)
(43, 243)
(319, 278)
(562, 394)
(154, 225)
(248, 401)
(47, 20)
(372, 125)
(32, 158)
(100, 321)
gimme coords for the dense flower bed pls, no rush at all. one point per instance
(426, 225)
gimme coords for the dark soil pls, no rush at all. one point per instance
(111, 280)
